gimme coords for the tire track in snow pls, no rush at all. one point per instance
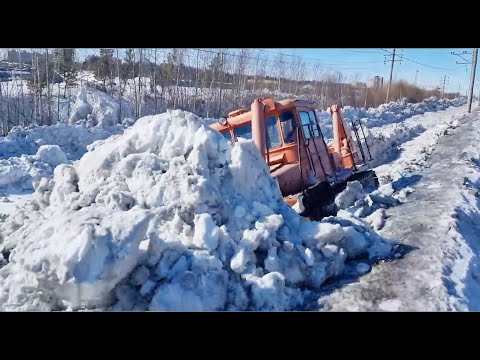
(423, 280)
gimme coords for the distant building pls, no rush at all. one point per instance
(63, 54)
(377, 82)
(359, 84)
(19, 56)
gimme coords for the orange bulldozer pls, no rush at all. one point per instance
(309, 172)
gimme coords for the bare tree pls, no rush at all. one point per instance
(279, 70)
(48, 88)
(155, 81)
(119, 119)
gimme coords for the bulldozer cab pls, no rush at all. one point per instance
(294, 146)
(292, 137)
(288, 136)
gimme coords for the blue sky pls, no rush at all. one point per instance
(434, 64)
(365, 63)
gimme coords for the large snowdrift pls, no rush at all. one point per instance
(387, 126)
(168, 216)
(393, 112)
(93, 118)
(19, 174)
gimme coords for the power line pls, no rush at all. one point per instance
(465, 61)
(429, 66)
(364, 52)
(329, 62)
(419, 63)
(275, 62)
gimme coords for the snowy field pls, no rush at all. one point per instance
(163, 214)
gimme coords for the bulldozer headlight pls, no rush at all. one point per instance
(223, 121)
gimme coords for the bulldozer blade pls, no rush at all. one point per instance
(318, 201)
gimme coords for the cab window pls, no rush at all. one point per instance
(309, 124)
(243, 131)
(273, 137)
(289, 127)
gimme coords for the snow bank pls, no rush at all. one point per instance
(27, 154)
(93, 117)
(20, 174)
(72, 140)
(393, 112)
(97, 108)
(168, 216)
(51, 154)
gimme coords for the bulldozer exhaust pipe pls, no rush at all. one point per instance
(258, 126)
(338, 131)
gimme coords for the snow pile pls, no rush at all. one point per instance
(93, 117)
(96, 108)
(51, 154)
(356, 205)
(22, 173)
(168, 216)
(415, 158)
(384, 144)
(393, 112)
(73, 140)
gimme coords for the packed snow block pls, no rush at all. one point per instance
(377, 219)
(354, 243)
(353, 192)
(206, 232)
(315, 234)
(268, 292)
(250, 174)
(51, 154)
(192, 291)
(373, 198)
(9, 173)
(80, 109)
(243, 261)
(86, 255)
(65, 179)
(344, 219)
(362, 268)
(43, 189)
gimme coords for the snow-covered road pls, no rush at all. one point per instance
(439, 223)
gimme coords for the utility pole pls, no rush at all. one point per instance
(391, 74)
(443, 79)
(416, 75)
(472, 79)
(366, 95)
(393, 54)
(472, 74)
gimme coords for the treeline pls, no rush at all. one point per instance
(227, 79)
(207, 82)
